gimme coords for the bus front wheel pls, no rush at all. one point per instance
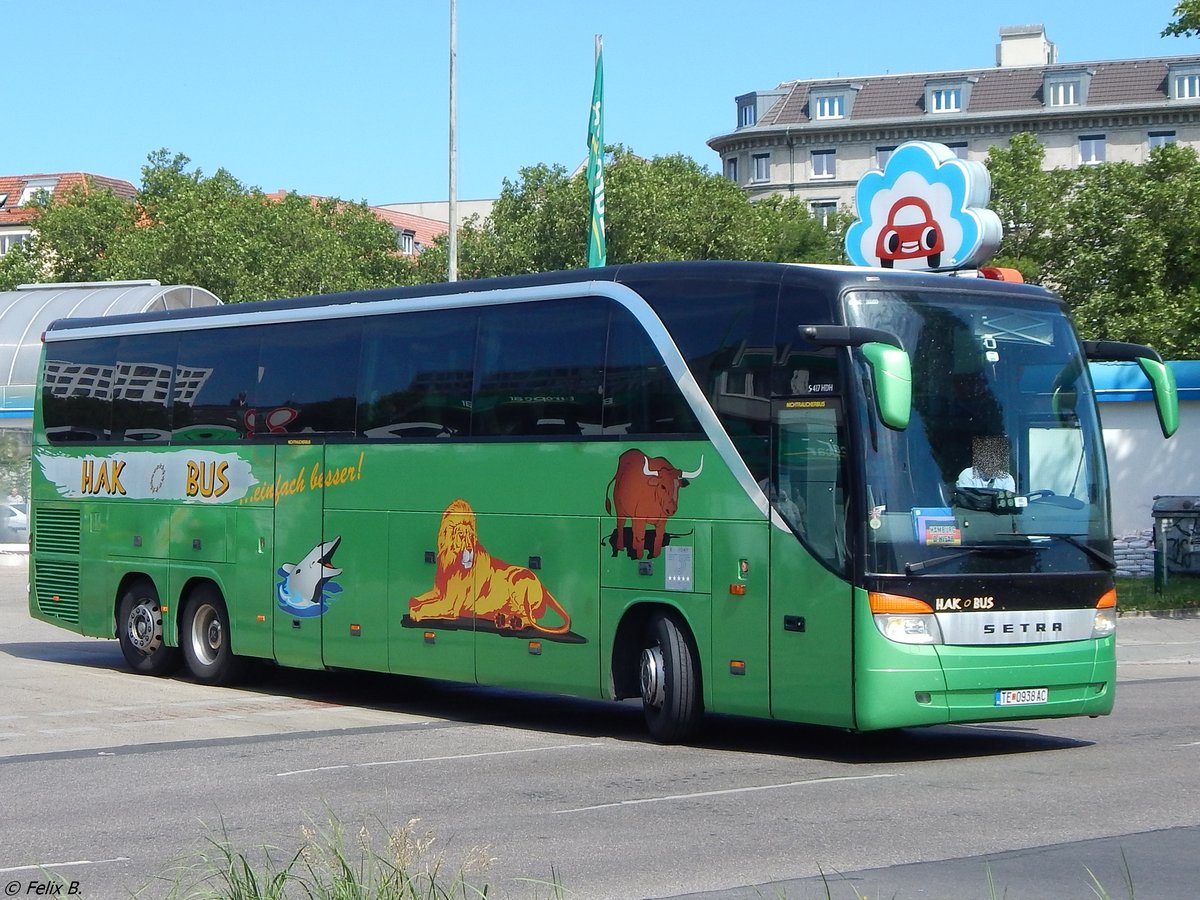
(140, 631)
(670, 683)
(204, 636)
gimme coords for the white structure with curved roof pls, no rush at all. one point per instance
(26, 313)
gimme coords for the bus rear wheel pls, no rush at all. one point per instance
(670, 683)
(204, 636)
(140, 631)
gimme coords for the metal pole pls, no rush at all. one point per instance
(452, 265)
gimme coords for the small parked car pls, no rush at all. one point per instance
(14, 523)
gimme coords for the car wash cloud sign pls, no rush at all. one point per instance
(926, 210)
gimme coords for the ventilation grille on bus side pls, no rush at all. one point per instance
(56, 531)
(57, 586)
(56, 582)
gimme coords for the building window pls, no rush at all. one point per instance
(1091, 149)
(959, 148)
(731, 168)
(831, 107)
(1159, 138)
(823, 210)
(762, 167)
(883, 154)
(824, 163)
(36, 186)
(407, 242)
(10, 240)
(1063, 93)
(946, 100)
(747, 114)
(1187, 87)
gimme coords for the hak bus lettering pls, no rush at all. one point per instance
(307, 586)
(202, 476)
(645, 491)
(473, 589)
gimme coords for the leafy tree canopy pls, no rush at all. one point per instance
(1187, 20)
(211, 231)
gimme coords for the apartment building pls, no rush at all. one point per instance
(814, 139)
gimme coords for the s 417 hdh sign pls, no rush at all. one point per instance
(926, 210)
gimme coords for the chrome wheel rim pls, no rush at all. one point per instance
(653, 677)
(208, 637)
(145, 627)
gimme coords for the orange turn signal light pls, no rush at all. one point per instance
(1108, 599)
(897, 604)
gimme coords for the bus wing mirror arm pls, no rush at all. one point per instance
(1157, 372)
(891, 369)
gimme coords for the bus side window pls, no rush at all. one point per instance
(77, 390)
(640, 394)
(143, 389)
(307, 377)
(416, 375)
(539, 369)
(216, 382)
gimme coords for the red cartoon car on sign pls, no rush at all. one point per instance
(910, 233)
(645, 490)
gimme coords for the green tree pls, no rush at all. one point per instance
(1187, 20)
(211, 231)
(1029, 202)
(666, 208)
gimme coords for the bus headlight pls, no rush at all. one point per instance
(905, 620)
(1105, 622)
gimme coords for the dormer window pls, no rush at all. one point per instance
(1066, 88)
(1183, 81)
(948, 95)
(747, 113)
(831, 101)
(35, 186)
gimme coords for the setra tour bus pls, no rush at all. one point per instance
(724, 487)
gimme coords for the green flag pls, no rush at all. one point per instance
(597, 252)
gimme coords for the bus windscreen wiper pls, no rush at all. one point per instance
(997, 549)
(1103, 558)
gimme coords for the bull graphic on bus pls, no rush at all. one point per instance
(645, 491)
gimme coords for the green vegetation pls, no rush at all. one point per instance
(374, 863)
(1180, 592)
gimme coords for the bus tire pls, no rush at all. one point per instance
(140, 631)
(204, 637)
(670, 681)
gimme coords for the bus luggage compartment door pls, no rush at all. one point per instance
(301, 555)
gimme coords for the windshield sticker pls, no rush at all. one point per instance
(936, 526)
(201, 476)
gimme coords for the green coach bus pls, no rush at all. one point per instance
(850, 497)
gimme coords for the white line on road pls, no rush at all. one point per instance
(64, 865)
(741, 790)
(424, 759)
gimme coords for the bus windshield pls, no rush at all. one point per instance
(1001, 469)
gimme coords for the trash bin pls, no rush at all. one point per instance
(1177, 533)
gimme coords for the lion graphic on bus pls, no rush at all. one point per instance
(472, 584)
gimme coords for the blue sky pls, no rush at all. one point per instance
(350, 99)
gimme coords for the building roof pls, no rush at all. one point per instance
(994, 90)
(13, 186)
(423, 230)
(27, 312)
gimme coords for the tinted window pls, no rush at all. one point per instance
(143, 385)
(77, 390)
(416, 375)
(640, 394)
(307, 374)
(540, 369)
(215, 384)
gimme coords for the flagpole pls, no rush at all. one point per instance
(452, 263)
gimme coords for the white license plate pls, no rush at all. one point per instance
(1022, 697)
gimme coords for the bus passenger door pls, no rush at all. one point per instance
(303, 556)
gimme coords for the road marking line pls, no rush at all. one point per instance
(399, 762)
(742, 790)
(64, 865)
